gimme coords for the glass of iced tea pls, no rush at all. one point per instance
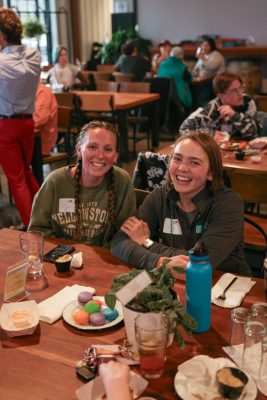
(151, 333)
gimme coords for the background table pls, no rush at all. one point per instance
(41, 366)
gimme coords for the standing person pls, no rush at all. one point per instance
(88, 201)
(174, 67)
(232, 111)
(210, 60)
(19, 75)
(45, 117)
(192, 207)
(63, 73)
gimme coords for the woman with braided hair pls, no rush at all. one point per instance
(88, 201)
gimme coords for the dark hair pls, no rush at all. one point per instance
(223, 81)
(109, 175)
(10, 25)
(128, 47)
(211, 42)
(57, 53)
(214, 155)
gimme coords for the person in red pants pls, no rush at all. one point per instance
(19, 76)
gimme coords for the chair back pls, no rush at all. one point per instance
(105, 68)
(255, 240)
(97, 102)
(202, 92)
(63, 118)
(120, 77)
(135, 87)
(140, 196)
(100, 76)
(150, 170)
(65, 99)
(107, 86)
(261, 102)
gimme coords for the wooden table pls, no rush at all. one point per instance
(247, 178)
(123, 102)
(41, 366)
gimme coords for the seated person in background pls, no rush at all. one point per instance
(63, 73)
(130, 62)
(210, 60)
(115, 377)
(231, 111)
(164, 52)
(45, 117)
(89, 201)
(174, 67)
(193, 206)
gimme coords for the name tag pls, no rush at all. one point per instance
(66, 205)
(172, 226)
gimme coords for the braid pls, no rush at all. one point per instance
(78, 175)
(111, 195)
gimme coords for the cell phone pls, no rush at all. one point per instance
(58, 251)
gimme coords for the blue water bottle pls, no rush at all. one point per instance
(198, 287)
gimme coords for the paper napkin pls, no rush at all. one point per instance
(94, 390)
(235, 294)
(51, 309)
(236, 353)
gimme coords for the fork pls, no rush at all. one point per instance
(222, 296)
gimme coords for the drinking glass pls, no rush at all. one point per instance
(252, 352)
(151, 332)
(239, 317)
(259, 313)
(32, 246)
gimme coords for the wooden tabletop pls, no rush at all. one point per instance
(41, 366)
(124, 101)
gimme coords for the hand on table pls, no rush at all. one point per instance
(136, 229)
(115, 377)
(175, 261)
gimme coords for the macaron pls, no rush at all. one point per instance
(109, 314)
(91, 307)
(97, 319)
(84, 297)
(81, 317)
(98, 302)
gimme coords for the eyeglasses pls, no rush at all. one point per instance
(240, 89)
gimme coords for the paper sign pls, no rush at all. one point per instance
(129, 291)
(16, 282)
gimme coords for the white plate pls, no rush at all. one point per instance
(74, 305)
(198, 376)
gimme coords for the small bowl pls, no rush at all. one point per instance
(239, 155)
(231, 382)
(255, 159)
(19, 319)
(63, 263)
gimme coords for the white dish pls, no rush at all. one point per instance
(28, 326)
(74, 305)
(197, 376)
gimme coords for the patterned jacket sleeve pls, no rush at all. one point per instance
(244, 123)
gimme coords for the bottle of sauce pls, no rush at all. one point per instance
(198, 287)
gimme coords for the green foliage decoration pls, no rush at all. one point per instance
(33, 28)
(157, 297)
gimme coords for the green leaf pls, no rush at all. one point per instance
(110, 300)
(180, 270)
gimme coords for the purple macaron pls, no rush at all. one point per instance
(84, 297)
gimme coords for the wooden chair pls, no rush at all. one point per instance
(69, 99)
(120, 77)
(137, 117)
(97, 107)
(255, 241)
(261, 102)
(140, 196)
(105, 68)
(107, 86)
(56, 160)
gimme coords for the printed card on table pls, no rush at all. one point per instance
(136, 285)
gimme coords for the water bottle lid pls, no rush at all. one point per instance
(199, 252)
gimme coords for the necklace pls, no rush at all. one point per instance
(171, 227)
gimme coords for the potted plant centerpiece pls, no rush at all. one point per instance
(157, 297)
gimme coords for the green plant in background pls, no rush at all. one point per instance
(157, 297)
(33, 28)
(111, 51)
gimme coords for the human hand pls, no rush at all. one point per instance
(226, 111)
(115, 377)
(175, 261)
(136, 229)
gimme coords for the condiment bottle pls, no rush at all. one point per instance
(198, 287)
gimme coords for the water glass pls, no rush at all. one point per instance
(151, 333)
(259, 313)
(253, 347)
(239, 317)
(32, 245)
